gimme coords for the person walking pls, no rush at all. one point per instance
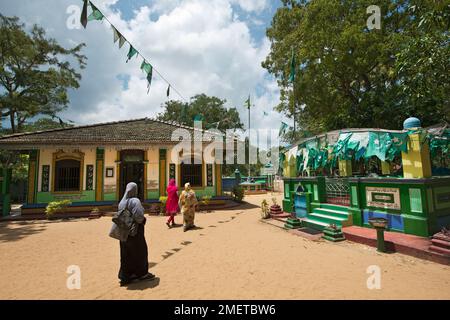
(133, 248)
(172, 203)
(187, 202)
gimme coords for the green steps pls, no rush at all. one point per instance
(329, 212)
(334, 207)
(326, 215)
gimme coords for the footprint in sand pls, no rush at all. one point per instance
(212, 226)
(176, 249)
(185, 243)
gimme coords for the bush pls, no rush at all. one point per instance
(205, 200)
(56, 207)
(238, 193)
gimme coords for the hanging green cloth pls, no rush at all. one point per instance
(83, 18)
(300, 160)
(379, 144)
(131, 53)
(399, 141)
(96, 14)
(147, 68)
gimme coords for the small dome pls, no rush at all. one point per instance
(411, 122)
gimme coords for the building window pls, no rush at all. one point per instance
(67, 175)
(192, 173)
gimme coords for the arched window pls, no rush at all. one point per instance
(67, 175)
(192, 173)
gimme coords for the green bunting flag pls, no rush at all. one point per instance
(283, 128)
(96, 14)
(147, 68)
(131, 53)
(400, 141)
(248, 102)
(379, 144)
(83, 18)
(168, 91)
(293, 65)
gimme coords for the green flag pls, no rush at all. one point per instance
(248, 102)
(96, 14)
(400, 141)
(83, 18)
(379, 144)
(283, 128)
(293, 65)
(147, 68)
(131, 53)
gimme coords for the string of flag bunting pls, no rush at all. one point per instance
(146, 66)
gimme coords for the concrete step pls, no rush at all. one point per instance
(334, 207)
(330, 212)
(440, 243)
(326, 218)
(441, 250)
(314, 224)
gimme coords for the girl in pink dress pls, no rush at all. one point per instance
(172, 202)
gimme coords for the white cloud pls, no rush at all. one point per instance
(198, 45)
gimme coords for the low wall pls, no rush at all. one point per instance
(413, 206)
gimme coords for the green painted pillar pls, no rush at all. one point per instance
(356, 201)
(33, 172)
(5, 176)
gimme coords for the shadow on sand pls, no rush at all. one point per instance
(145, 284)
(14, 231)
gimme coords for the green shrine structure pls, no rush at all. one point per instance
(347, 177)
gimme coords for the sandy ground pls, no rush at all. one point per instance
(232, 256)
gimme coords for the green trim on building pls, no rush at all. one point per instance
(415, 200)
(109, 196)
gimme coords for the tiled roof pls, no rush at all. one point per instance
(120, 132)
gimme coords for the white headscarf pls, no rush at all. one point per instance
(134, 204)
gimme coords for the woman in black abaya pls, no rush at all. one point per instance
(133, 251)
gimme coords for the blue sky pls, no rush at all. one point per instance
(201, 46)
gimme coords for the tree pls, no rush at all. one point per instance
(35, 73)
(211, 110)
(350, 76)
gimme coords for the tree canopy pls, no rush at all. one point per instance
(35, 73)
(211, 110)
(350, 76)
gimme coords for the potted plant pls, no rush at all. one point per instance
(265, 213)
